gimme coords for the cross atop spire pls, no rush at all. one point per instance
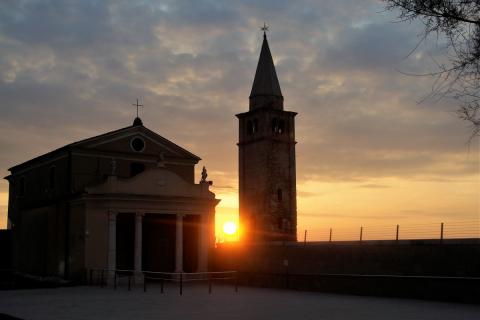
(264, 29)
(266, 90)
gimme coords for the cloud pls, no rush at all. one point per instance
(306, 194)
(374, 186)
(71, 69)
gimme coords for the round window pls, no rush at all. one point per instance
(137, 144)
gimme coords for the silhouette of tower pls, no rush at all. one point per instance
(267, 187)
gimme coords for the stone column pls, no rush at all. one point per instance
(179, 244)
(112, 243)
(138, 245)
(203, 243)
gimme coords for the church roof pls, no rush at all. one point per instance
(266, 81)
(133, 129)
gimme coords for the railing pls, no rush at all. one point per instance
(449, 230)
(100, 278)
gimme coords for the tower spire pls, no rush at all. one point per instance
(266, 92)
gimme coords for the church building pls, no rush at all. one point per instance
(124, 200)
(267, 187)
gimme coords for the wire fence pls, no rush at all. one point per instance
(449, 230)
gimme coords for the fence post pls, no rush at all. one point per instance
(305, 238)
(361, 233)
(115, 280)
(91, 273)
(396, 237)
(101, 279)
(144, 283)
(209, 283)
(236, 281)
(441, 232)
(129, 280)
(161, 285)
(330, 237)
(287, 285)
(181, 283)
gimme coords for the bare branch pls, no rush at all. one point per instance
(459, 22)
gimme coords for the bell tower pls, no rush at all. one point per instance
(267, 182)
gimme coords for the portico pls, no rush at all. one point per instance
(151, 226)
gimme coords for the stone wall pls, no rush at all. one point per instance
(448, 270)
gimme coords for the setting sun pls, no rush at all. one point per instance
(229, 228)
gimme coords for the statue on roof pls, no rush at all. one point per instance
(204, 175)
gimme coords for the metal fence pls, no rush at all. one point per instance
(449, 230)
(106, 277)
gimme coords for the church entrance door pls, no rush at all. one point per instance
(158, 242)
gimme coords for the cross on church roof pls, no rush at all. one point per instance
(137, 105)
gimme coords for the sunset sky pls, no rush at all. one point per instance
(368, 153)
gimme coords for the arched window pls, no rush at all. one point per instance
(274, 125)
(279, 195)
(21, 189)
(51, 177)
(281, 127)
(278, 126)
(136, 168)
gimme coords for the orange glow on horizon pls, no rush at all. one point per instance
(377, 205)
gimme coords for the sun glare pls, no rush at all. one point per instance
(229, 228)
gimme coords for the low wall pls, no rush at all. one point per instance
(6, 249)
(448, 270)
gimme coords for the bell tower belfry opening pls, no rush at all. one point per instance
(267, 179)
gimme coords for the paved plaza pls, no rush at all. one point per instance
(223, 303)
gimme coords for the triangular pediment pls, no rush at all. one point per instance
(135, 140)
(119, 141)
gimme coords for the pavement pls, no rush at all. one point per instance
(84, 302)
